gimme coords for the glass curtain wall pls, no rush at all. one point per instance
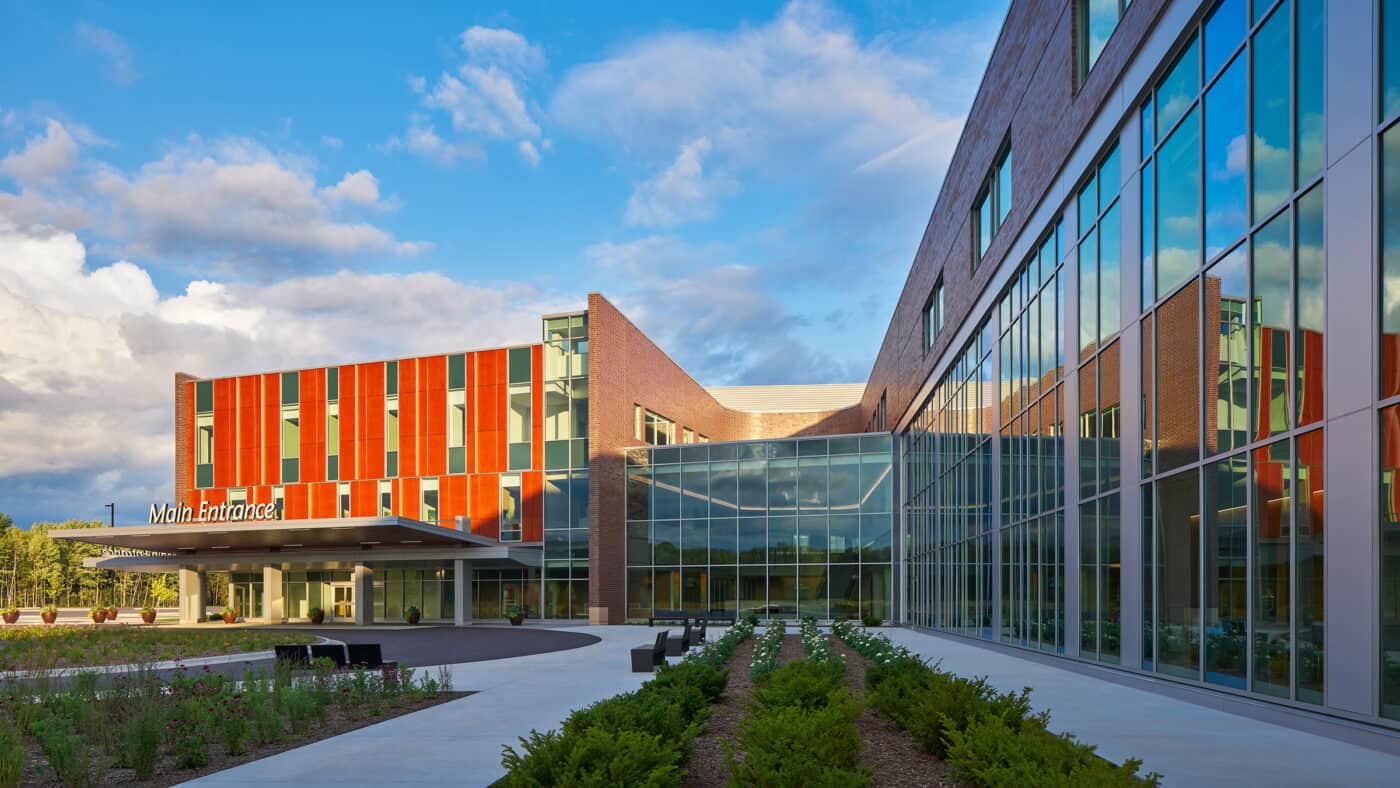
(398, 587)
(496, 592)
(780, 529)
(1233, 311)
(566, 547)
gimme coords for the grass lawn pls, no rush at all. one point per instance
(43, 647)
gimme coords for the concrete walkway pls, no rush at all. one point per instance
(460, 742)
(1190, 744)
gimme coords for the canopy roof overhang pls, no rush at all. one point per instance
(289, 541)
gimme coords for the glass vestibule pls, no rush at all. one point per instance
(426, 587)
(304, 590)
(245, 591)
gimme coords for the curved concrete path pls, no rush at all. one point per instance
(459, 743)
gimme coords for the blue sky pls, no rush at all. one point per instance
(221, 188)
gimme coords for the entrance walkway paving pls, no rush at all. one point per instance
(1189, 743)
(460, 742)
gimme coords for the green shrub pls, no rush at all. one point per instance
(12, 756)
(140, 745)
(65, 750)
(870, 620)
(927, 703)
(991, 752)
(299, 706)
(672, 711)
(709, 679)
(792, 745)
(191, 750)
(804, 684)
(595, 757)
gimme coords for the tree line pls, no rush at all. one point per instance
(37, 570)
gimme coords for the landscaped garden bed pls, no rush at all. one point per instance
(47, 647)
(140, 728)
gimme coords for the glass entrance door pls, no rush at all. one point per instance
(342, 602)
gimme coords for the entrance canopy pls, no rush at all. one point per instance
(362, 539)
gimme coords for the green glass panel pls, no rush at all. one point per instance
(556, 455)
(204, 396)
(519, 456)
(457, 460)
(291, 393)
(289, 471)
(456, 372)
(518, 362)
(204, 475)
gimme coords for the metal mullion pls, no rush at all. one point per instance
(1200, 484)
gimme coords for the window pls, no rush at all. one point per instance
(391, 418)
(518, 421)
(933, 315)
(877, 418)
(279, 500)
(343, 497)
(204, 434)
(652, 428)
(510, 507)
(1095, 23)
(386, 498)
(992, 205)
(332, 424)
(291, 427)
(429, 494)
(687, 435)
(456, 414)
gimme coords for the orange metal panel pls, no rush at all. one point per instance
(410, 418)
(454, 498)
(225, 433)
(485, 504)
(362, 499)
(271, 430)
(435, 451)
(348, 409)
(372, 425)
(410, 503)
(260, 495)
(537, 406)
(532, 506)
(323, 499)
(312, 400)
(213, 498)
(248, 409)
(470, 392)
(294, 503)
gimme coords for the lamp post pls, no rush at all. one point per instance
(112, 510)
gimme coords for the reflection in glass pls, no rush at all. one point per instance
(1390, 57)
(1178, 574)
(1390, 560)
(1088, 294)
(1312, 308)
(1088, 429)
(1110, 580)
(1179, 206)
(1269, 147)
(1390, 258)
(1149, 396)
(1178, 89)
(1227, 300)
(1110, 177)
(1088, 580)
(1272, 603)
(1178, 405)
(1227, 608)
(1147, 252)
(1224, 32)
(1225, 115)
(1109, 411)
(1311, 121)
(1310, 488)
(1110, 251)
(1273, 308)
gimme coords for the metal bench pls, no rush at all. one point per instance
(718, 616)
(365, 655)
(677, 646)
(668, 615)
(292, 655)
(334, 652)
(647, 657)
(700, 633)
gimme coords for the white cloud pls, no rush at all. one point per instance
(334, 143)
(485, 98)
(44, 156)
(112, 48)
(680, 193)
(802, 97)
(87, 356)
(238, 201)
(360, 187)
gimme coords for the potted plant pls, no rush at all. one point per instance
(98, 614)
(11, 615)
(148, 614)
(517, 616)
(112, 612)
(317, 615)
(229, 615)
(412, 615)
(48, 614)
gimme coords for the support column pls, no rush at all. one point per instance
(274, 609)
(364, 594)
(461, 592)
(192, 585)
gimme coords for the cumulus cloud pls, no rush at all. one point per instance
(113, 50)
(422, 140)
(485, 98)
(88, 354)
(334, 143)
(43, 156)
(682, 192)
(239, 201)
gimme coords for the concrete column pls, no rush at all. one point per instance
(192, 585)
(364, 594)
(274, 608)
(462, 592)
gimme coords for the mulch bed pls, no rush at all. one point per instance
(892, 755)
(38, 772)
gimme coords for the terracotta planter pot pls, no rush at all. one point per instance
(318, 616)
(99, 616)
(112, 613)
(229, 618)
(11, 618)
(516, 621)
(414, 618)
(49, 618)
(148, 616)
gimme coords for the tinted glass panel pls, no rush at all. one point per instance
(1309, 492)
(1272, 600)
(1225, 116)
(1227, 537)
(1178, 206)
(1178, 380)
(1178, 89)
(1269, 148)
(1273, 307)
(1178, 598)
(1224, 31)
(1227, 286)
(1312, 308)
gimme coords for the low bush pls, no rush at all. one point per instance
(989, 737)
(792, 745)
(12, 756)
(594, 758)
(65, 750)
(140, 745)
(804, 685)
(766, 650)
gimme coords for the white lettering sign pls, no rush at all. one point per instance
(166, 514)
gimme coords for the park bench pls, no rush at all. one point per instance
(365, 655)
(668, 615)
(647, 657)
(332, 651)
(717, 616)
(677, 646)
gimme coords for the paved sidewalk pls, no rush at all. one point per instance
(1189, 743)
(459, 743)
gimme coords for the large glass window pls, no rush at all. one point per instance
(992, 204)
(291, 426)
(510, 507)
(1097, 20)
(933, 315)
